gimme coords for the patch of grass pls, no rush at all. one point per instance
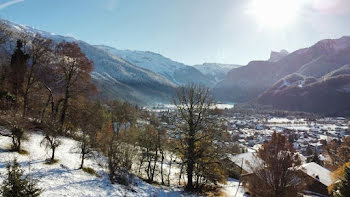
(209, 190)
(51, 162)
(91, 171)
(10, 148)
(23, 152)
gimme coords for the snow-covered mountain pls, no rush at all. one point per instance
(113, 76)
(33, 31)
(117, 78)
(176, 72)
(138, 76)
(314, 79)
(215, 71)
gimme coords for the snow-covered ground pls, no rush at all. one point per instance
(231, 189)
(65, 179)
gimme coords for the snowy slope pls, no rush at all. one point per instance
(64, 178)
(231, 189)
(140, 77)
(176, 72)
(117, 78)
(33, 31)
(215, 71)
(148, 60)
(114, 77)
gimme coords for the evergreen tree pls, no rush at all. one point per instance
(17, 185)
(18, 69)
(343, 187)
(316, 158)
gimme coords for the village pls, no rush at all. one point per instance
(308, 137)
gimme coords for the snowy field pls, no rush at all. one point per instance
(65, 179)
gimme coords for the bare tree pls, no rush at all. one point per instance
(51, 138)
(275, 173)
(193, 103)
(74, 69)
(16, 130)
(39, 51)
(89, 122)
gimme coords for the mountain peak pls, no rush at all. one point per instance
(33, 31)
(334, 45)
(276, 56)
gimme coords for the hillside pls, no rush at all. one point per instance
(215, 71)
(265, 77)
(64, 178)
(329, 94)
(140, 77)
(176, 72)
(247, 82)
(114, 77)
(117, 78)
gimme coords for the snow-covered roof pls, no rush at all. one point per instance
(313, 169)
(249, 159)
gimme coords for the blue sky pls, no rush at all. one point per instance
(189, 31)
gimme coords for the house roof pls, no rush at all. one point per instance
(313, 169)
(249, 160)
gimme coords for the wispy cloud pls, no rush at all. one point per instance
(340, 7)
(6, 4)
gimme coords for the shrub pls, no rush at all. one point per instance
(17, 185)
(90, 171)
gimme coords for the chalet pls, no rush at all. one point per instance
(318, 178)
(245, 161)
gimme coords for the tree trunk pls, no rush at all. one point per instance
(28, 86)
(169, 172)
(14, 143)
(44, 109)
(66, 97)
(181, 171)
(18, 143)
(64, 109)
(53, 154)
(161, 168)
(141, 162)
(82, 160)
(149, 165)
(25, 103)
(190, 161)
(154, 165)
